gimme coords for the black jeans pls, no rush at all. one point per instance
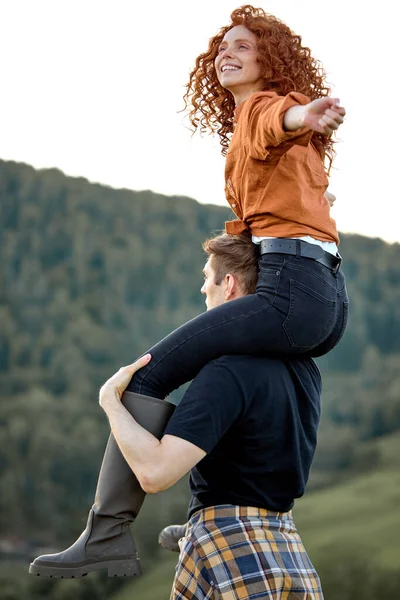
(300, 308)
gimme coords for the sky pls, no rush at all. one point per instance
(95, 88)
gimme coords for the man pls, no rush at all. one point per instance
(246, 428)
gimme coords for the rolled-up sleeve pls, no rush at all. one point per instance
(264, 116)
(236, 227)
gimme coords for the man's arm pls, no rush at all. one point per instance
(156, 464)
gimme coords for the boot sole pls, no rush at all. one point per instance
(168, 544)
(115, 568)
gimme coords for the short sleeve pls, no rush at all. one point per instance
(209, 407)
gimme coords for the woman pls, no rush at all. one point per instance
(264, 94)
(256, 81)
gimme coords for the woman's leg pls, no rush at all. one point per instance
(106, 542)
(294, 311)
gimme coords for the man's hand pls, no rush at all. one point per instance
(115, 386)
(323, 115)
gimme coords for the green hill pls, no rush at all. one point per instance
(360, 516)
(90, 278)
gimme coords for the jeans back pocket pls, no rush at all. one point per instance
(311, 316)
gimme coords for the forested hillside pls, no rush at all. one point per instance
(90, 277)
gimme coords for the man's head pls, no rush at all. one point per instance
(231, 270)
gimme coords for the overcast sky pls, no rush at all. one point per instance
(94, 88)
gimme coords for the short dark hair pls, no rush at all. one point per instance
(235, 254)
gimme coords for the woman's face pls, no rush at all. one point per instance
(236, 64)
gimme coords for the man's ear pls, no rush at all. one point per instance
(231, 286)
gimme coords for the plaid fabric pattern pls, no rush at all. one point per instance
(234, 552)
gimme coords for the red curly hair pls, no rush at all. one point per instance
(287, 65)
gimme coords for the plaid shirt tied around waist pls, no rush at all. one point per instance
(235, 552)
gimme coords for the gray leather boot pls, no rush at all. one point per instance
(170, 536)
(107, 542)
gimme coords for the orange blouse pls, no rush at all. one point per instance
(275, 179)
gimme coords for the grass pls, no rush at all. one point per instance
(152, 585)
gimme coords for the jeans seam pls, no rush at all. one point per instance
(279, 275)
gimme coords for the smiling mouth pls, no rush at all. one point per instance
(226, 68)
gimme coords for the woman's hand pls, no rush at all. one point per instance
(330, 197)
(323, 115)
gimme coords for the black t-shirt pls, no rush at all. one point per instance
(257, 419)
